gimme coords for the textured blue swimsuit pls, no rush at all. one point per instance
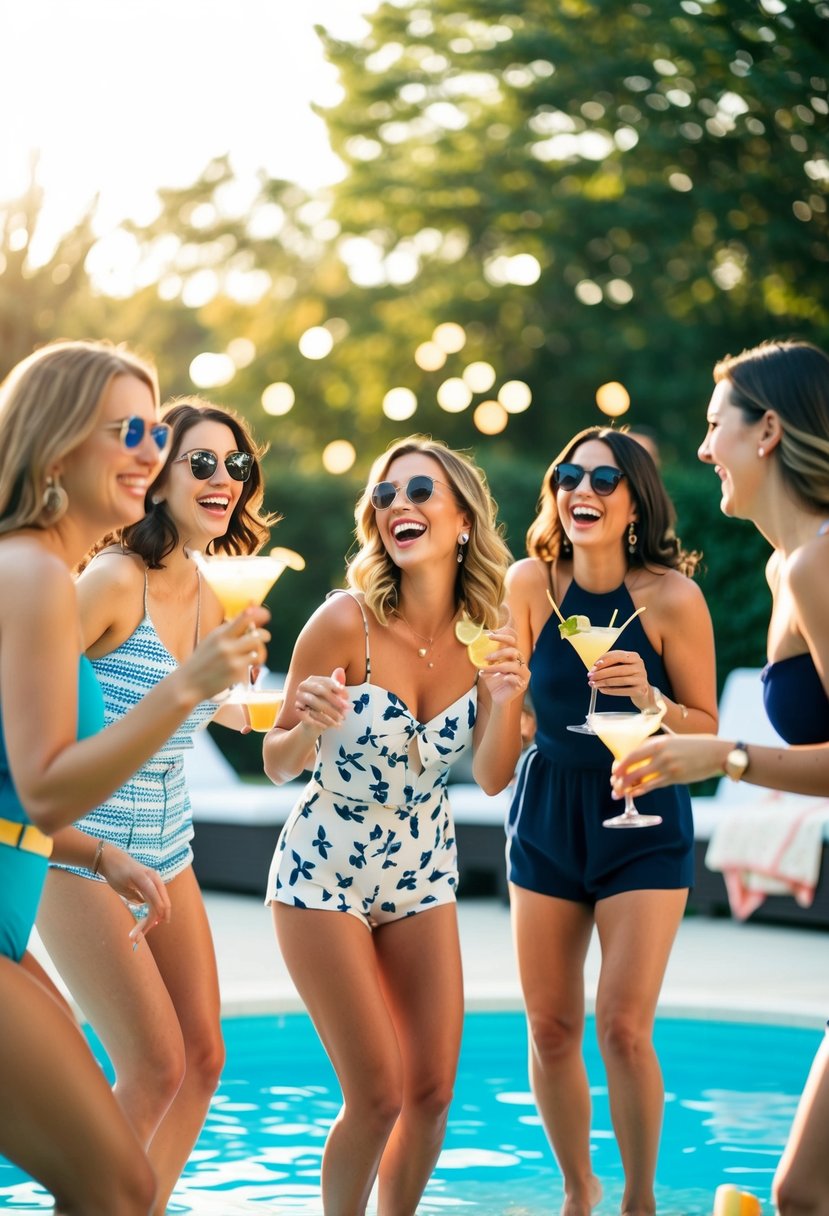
(795, 700)
(23, 874)
(556, 842)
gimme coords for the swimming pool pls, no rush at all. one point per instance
(731, 1094)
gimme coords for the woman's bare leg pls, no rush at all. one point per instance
(801, 1185)
(636, 930)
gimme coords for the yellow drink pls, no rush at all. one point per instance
(623, 732)
(240, 581)
(592, 643)
(263, 705)
(480, 650)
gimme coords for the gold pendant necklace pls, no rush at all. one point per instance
(424, 651)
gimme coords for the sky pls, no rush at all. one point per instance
(119, 97)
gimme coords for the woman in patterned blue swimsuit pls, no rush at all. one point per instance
(144, 610)
(364, 876)
(768, 438)
(80, 441)
(601, 544)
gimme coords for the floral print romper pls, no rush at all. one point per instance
(372, 832)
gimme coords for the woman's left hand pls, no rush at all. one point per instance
(137, 884)
(621, 673)
(506, 673)
(669, 760)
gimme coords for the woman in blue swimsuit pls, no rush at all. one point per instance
(80, 441)
(144, 610)
(602, 546)
(364, 876)
(768, 439)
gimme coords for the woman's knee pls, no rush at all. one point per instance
(205, 1058)
(157, 1071)
(794, 1196)
(622, 1038)
(553, 1037)
(431, 1097)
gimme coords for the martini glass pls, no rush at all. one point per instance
(590, 644)
(622, 733)
(238, 581)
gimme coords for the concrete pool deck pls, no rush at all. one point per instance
(718, 968)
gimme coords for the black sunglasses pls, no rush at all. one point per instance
(603, 480)
(131, 431)
(203, 463)
(419, 490)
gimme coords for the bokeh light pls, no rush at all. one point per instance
(450, 337)
(338, 456)
(479, 376)
(211, 370)
(399, 403)
(490, 417)
(278, 398)
(316, 342)
(453, 395)
(242, 351)
(613, 399)
(515, 396)
(429, 357)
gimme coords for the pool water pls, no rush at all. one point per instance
(731, 1092)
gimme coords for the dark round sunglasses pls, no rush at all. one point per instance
(418, 490)
(203, 463)
(131, 431)
(603, 480)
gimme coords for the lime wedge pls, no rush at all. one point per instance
(574, 624)
(467, 631)
(292, 559)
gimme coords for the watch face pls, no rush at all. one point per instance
(736, 763)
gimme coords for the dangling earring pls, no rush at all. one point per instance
(565, 546)
(761, 452)
(463, 539)
(55, 499)
(156, 500)
(632, 538)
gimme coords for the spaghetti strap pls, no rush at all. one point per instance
(345, 591)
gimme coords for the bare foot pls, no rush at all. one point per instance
(573, 1207)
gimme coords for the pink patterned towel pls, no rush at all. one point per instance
(769, 847)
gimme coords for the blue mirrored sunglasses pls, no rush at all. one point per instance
(131, 431)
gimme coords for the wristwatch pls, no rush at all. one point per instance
(736, 762)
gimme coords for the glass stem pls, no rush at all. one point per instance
(630, 808)
(591, 709)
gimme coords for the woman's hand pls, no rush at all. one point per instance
(506, 672)
(321, 701)
(137, 884)
(227, 653)
(621, 673)
(669, 760)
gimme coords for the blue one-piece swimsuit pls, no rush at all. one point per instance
(557, 845)
(796, 702)
(22, 874)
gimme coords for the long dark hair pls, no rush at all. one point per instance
(657, 543)
(155, 536)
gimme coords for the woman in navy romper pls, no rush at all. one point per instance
(603, 545)
(768, 439)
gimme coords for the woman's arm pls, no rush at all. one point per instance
(57, 777)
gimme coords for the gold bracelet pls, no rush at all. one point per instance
(682, 709)
(96, 860)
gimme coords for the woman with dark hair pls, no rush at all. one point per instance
(144, 608)
(80, 441)
(768, 440)
(364, 876)
(602, 546)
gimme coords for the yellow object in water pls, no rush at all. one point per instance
(728, 1201)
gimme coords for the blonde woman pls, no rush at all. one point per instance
(381, 699)
(768, 440)
(80, 441)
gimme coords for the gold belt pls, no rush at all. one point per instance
(25, 836)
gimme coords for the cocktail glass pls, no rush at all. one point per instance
(238, 581)
(622, 733)
(590, 644)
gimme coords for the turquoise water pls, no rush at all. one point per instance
(731, 1094)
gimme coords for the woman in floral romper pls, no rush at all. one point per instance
(372, 834)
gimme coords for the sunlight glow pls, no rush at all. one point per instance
(399, 403)
(338, 456)
(613, 399)
(210, 370)
(278, 398)
(515, 396)
(490, 417)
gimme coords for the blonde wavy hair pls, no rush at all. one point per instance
(479, 589)
(792, 379)
(49, 404)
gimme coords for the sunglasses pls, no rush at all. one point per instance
(603, 480)
(131, 432)
(418, 490)
(203, 463)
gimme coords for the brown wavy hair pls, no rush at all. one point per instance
(155, 536)
(479, 589)
(657, 544)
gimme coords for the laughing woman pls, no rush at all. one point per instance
(363, 880)
(144, 608)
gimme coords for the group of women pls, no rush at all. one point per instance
(106, 674)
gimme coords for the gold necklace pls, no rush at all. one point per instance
(424, 651)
